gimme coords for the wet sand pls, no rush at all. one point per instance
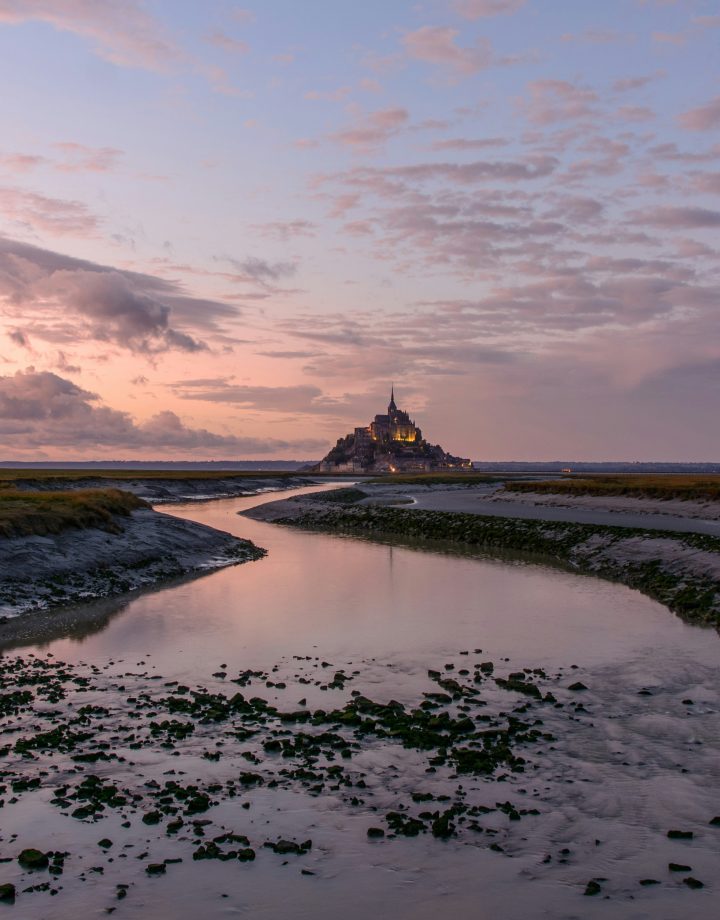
(682, 517)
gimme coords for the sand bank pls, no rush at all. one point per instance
(41, 573)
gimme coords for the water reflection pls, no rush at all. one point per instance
(349, 597)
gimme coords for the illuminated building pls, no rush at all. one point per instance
(391, 442)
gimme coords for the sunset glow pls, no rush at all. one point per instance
(225, 230)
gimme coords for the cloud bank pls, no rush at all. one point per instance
(40, 410)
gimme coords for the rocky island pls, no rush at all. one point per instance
(392, 442)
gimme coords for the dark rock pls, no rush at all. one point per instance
(592, 888)
(7, 893)
(375, 832)
(578, 685)
(152, 817)
(33, 859)
(156, 869)
(693, 882)
(680, 835)
(679, 867)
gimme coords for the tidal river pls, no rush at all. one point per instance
(627, 757)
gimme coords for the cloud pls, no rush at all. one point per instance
(436, 45)
(635, 113)
(41, 410)
(20, 162)
(284, 230)
(81, 158)
(377, 179)
(18, 337)
(596, 37)
(670, 38)
(83, 299)
(288, 353)
(262, 270)
(42, 214)
(332, 95)
(243, 15)
(627, 84)
(557, 100)
(685, 218)
(704, 118)
(373, 129)
(480, 9)
(122, 33)
(468, 143)
(228, 43)
(301, 398)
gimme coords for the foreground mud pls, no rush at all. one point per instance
(119, 786)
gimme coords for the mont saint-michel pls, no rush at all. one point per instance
(390, 443)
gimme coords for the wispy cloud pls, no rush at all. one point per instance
(124, 34)
(438, 45)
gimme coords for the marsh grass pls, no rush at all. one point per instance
(704, 486)
(43, 513)
(8, 475)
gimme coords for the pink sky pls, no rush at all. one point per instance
(225, 230)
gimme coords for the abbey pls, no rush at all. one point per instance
(390, 443)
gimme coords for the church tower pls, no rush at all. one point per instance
(391, 406)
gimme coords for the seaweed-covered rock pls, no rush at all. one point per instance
(33, 859)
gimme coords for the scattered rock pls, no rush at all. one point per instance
(33, 859)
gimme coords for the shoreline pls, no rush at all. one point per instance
(44, 578)
(680, 570)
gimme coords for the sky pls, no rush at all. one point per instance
(226, 230)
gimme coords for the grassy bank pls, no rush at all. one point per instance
(25, 514)
(664, 570)
(703, 487)
(9, 476)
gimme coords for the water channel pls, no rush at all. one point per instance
(608, 789)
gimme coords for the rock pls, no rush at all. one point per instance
(7, 893)
(715, 822)
(592, 888)
(649, 881)
(105, 843)
(375, 832)
(679, 867)
(33, 859)
(152, 817)
(283, 847)
(692, 882)
(680, 835)
(578, 685)
(156, 869)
